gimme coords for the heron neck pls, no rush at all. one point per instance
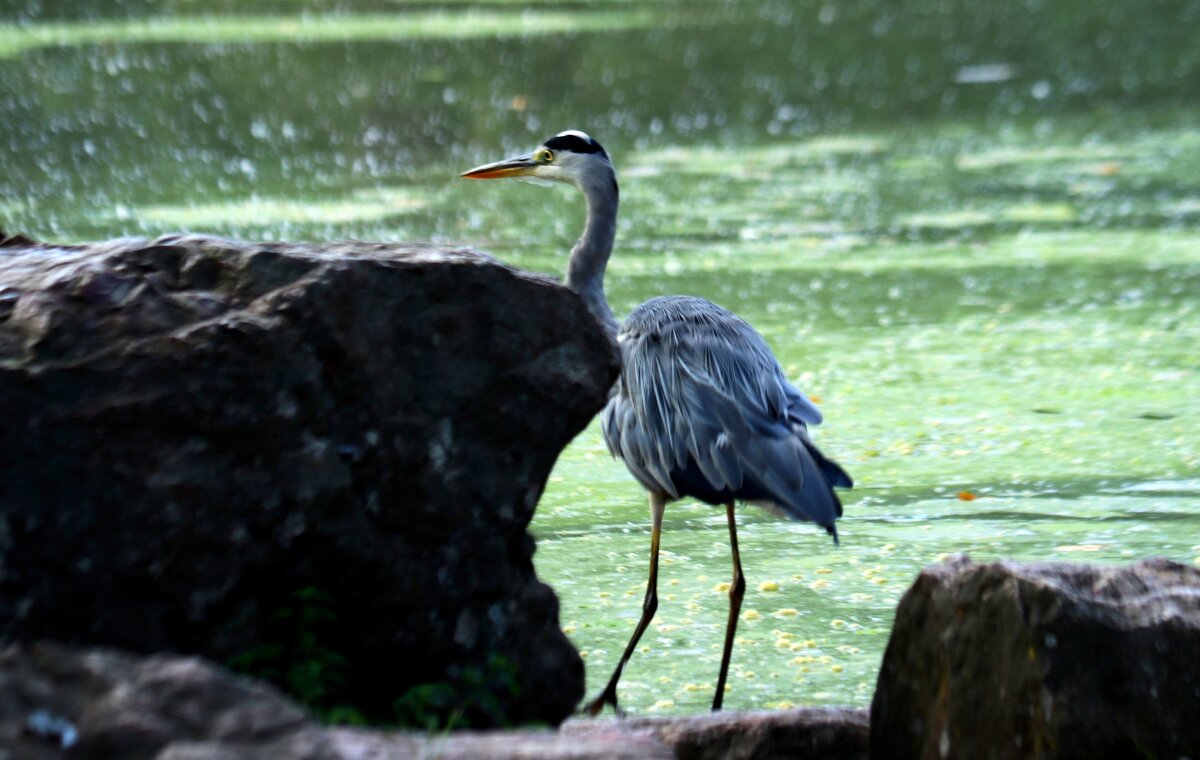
(589, 257)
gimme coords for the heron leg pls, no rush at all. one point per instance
(737, 590)
(658, 505)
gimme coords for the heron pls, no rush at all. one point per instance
(701, 408)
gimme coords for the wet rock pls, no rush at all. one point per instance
(1043, 660)
(317, 463)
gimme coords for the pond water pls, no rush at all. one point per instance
(971, 233)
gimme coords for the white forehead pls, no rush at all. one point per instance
(575, 133)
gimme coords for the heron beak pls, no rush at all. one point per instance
(521, 166)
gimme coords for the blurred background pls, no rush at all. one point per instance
(970, 230)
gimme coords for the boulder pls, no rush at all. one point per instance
(801, 733)
(90, 704)
(1042, 660)
(57, 702)
(314, 462)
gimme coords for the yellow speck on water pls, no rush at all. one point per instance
(837, 668)
(785, 635)
(721, 588)
(662, 704)
(838, 623)
(783, 643)
(583, 653)
(768, 586)
(673, 582)
(645, 649)
(780, 705)
(887, 548)
(568, 629)
(728, 688)
(878, 580)
(751, 615)
(696, 687)
(786, 612)
(943, 556)
(869, 572)
(818, 585)
(702, 577)
(604, 595)
(664, 679)
(803, 659)
(669, 597)
(824, 570)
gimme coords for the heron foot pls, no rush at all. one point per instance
(606, 697)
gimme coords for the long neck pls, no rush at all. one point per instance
(589, 257)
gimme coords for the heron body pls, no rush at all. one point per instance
(702, 408)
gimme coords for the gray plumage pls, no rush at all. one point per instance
(702, 407)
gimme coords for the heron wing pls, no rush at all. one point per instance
(701, 391)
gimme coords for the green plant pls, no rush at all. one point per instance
(474, 696)
(294, 658)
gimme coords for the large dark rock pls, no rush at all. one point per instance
(1043, 660)
(316, 462)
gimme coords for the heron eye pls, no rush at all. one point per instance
(544, 156)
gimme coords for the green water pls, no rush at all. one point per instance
(972, 233)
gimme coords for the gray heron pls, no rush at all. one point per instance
(702, 408)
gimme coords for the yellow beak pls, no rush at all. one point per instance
(521, 166)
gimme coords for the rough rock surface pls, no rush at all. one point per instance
(1043, 660)
(58, 703)
(798, 734)
(316, 461)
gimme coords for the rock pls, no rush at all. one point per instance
(498, 745)
(796, 734)
(116, 705)
(317, 463)
(57, 702)
(1043, 660)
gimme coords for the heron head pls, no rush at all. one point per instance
(572, 157)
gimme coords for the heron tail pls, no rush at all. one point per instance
(787, 465)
